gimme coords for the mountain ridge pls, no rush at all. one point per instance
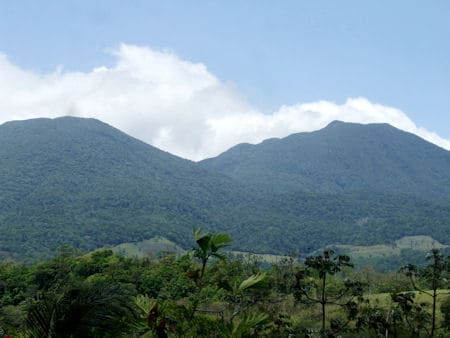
(341, 157)
(84, 183)
(86, 173)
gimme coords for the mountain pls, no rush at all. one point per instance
(80, 181)
(343, 157)
(84, 183)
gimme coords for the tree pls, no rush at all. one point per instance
(445, 309)
(167, 315)
(311, 283)
(431, 277)
(241, 296)
(208, 245)
(84, 310)
(408, 317)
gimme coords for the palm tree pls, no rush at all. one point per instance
(87, 310)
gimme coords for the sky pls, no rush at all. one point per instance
(197, 77)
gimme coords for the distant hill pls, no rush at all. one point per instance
(84, 183)
(343, 157)
(407, 250)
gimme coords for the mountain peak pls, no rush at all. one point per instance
(343, 157)
(80, 181)
(89, 176)
(339, 123)
(335, 123)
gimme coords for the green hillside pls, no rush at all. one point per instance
(302, 222)
(343, 157)
(81, 182)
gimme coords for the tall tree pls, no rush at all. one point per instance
(430, 279)
(311, 285)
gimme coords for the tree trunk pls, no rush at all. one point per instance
(323, 301)
(433, 318)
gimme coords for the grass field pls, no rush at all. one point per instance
(420, 243)
(311, 316)
(381, 257)
(149, 247)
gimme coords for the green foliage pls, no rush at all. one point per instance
(445, 309)
(328, 263)
(313, 287)
(81, 182)
(210, 245)
(159, 317)
(252, 281)
(409, 316)
(433, 276)
(247, 325)
(343, 157)
(91, 309)
(102, 294)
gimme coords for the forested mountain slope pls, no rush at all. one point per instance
(343, 157)
(81, 182)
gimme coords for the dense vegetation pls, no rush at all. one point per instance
(205, 294)
(82, 182)
(343, 157)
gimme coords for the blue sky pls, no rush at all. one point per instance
(395, 53)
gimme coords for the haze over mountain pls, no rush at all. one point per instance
(343, 157)
(81, 182)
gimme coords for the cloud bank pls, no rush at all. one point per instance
(174, 104)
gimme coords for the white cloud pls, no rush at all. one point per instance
(176, 105)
